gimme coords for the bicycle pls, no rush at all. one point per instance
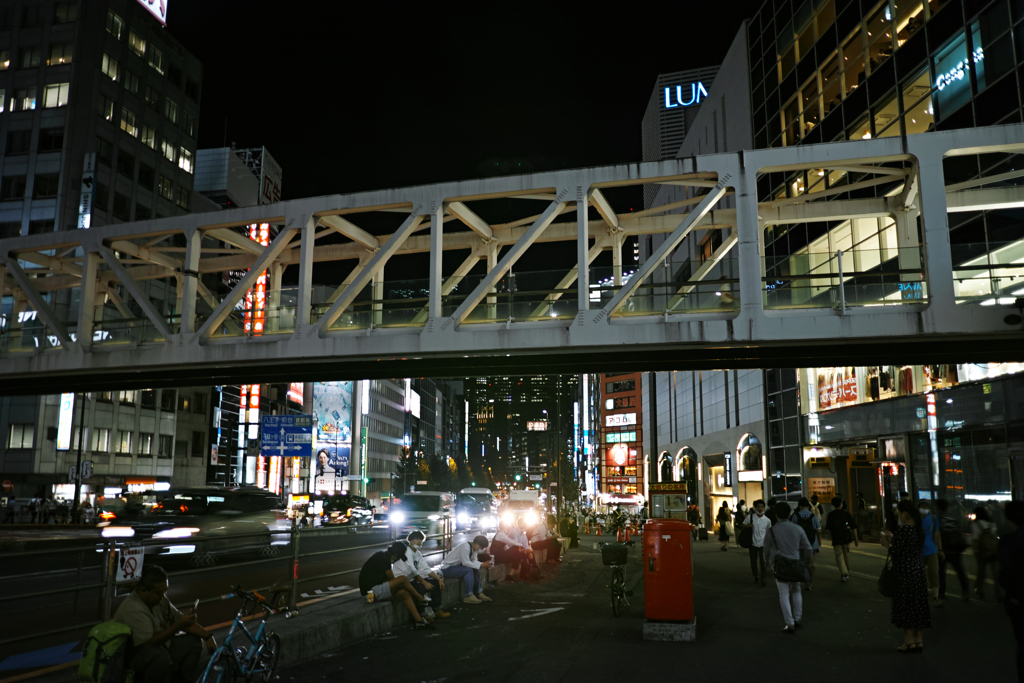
(615, 555)
(255, 661)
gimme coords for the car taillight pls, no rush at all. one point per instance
(107, 515)
(348, 513)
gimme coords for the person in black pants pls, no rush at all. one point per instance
(953, 546)
(760, 523)
(1011, 576)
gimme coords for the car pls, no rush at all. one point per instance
(476, 508)
(205, 524)
(347, 510)
(512, 510)
(427, 511)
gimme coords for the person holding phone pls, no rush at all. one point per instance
(162, 653)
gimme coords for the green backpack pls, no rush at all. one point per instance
(106, 654)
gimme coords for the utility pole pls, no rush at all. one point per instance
(558, 455)
(78, 465)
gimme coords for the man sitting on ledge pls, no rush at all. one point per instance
(461, 563)
(377, 582)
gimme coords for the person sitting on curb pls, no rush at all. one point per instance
(507, 550)
(518, 532)
(378, 582)
(159, 654)
(541, 540)
(461, 563)
(415, 568)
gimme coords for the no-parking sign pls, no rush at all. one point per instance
(129, 568)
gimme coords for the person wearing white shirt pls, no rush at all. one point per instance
(508, 551)
(760, 523)
(541, 540)
(461, 563)
(519, 533)
(415, 567)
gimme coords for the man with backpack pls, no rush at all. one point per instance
(805, 518)
(843, 529)
(160, 655)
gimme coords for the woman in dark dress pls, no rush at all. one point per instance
(910, 610)
(724, 519)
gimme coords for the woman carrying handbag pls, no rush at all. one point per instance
(724, 520)
(910, 610)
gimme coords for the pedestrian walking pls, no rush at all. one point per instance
(953, 546)
(693, 517)
(741, 513)
(805, 518)
(788, 552)
(1011, 575)
(759, 523)
(724, 520)
(816, 508)
(770, 511)
(985, 546)
(910, 610)
(842, 528)
(931, 553)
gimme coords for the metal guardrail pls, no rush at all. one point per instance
(110, 547)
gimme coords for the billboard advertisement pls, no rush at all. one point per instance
(620, 455)
(66, 417)
(158, 8)
(332, 416)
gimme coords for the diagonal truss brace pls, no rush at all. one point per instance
(567, 281)
(667, 247)
(499, 270)
(264, 260)
(366, 274)
(724, 248)
(136, 292)
(38, 303)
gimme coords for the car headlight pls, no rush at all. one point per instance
(508, 518)
(397, 517)
(178, 532)
(462, 518)
(118, 532)
(434, 518)
(531, 518)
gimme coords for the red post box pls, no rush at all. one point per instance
(668, 570)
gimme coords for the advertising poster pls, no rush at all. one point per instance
(332, 417)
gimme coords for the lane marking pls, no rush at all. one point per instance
(536, 613)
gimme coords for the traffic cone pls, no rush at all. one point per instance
(586, 528)
(618, 535)
(627, 533)
(598, 529)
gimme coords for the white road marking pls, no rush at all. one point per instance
(536, 613)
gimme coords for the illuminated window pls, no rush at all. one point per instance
(115, 24)
(128, 122)
(56, 95)
(106, 108)
(185, 160)
(853, 63)
(156, 60)
(137, 43)
(917, 105)
(100, 440)
(20, 436)
(170, 151)
(171, 110)
(148, 137)
(24, 99)
(887, 119)
(109, 66)
(184, 197)
(5, 60)
(145, 443)
(165, 188)
(60, 54)
(124, 441)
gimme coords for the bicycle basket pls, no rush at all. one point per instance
(614, 554)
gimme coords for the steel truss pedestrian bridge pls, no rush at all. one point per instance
(87, 312)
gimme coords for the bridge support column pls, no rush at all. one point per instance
(436, 252)
(304, 302)
(582, 250)
(617, 258)
(938, 255)
(492, 299)
(378, 295)
(190, 280)
(909, 248)
(87, 301)
(749, 235)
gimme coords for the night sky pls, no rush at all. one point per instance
(358, 96)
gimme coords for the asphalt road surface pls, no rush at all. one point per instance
(562, 629)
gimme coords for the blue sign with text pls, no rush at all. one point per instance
(287, 435)
(696, 90)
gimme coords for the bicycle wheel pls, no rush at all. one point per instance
(616, 592)
(221, 668)
(265, 660)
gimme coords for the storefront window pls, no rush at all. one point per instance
(952, 78)
(853, 63)
(831, 87)
(880, 36)
(748, 453)
(917, 105)
(909, 18)
(791, 121)
(811, 106)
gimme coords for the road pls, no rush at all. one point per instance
(562, 629)
(34, 574)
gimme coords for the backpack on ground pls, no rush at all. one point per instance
(987, 546)
(106, 654)
(807, 524)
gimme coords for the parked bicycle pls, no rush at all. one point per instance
(615, 555)
(252, 661)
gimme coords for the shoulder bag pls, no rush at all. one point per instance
(786, 569)
(746, 539)
(887, 579)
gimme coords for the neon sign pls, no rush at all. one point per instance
(696, 90)
(958, 71)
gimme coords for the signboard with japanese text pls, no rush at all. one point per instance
(620, 420)
(129, 568)
(158, 8)
(64, 420)
(287, 435)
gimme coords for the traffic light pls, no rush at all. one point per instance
(472, 483)
(517, 477)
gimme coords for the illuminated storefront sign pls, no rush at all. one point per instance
(274, 483)
(295, 392)
(619, 437)
(696, 91)
(158, 8)
(620, 420)
(67, 416)
(958, 71)
(537, 426)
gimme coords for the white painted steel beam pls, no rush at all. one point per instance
(604, 208)
(141, 298)
(345, 227)
(472, 221)
(38, 303)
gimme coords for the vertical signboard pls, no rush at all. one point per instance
(270, 179)
(64, 420)
(332, 412)
(88, 191)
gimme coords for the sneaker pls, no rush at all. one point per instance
(796, 624)
(844, 578)
(789, 629)
(424, 626)
(472, 600)
(483, 597)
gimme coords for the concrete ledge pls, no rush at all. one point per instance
(679, 631)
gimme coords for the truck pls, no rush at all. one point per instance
(531, 495)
